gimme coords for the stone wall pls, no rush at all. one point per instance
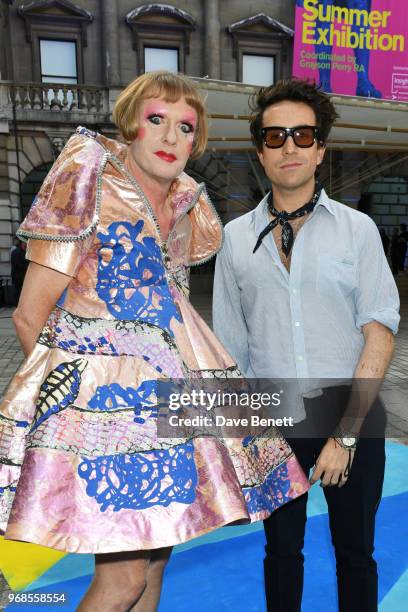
(103, 62)
(5, 208)
(34, 149)
(94, 55)
(109, 61)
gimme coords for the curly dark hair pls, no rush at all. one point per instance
(294, 90)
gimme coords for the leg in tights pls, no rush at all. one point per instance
(126, 581)
(149, 601)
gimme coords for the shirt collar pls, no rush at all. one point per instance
(262, 215)
(325, 201)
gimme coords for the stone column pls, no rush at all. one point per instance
(6, 68)
(110, 41)
(6, 228)
(212, 61)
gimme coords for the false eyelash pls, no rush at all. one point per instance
(154, 115)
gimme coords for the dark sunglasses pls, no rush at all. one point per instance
(304, 136)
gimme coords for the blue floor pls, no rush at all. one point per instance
(222, 572)
(227, 575)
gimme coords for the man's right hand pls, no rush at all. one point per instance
(331, 465)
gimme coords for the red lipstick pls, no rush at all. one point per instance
(168, 157)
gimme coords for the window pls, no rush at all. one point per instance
(57, 32)
(258, 69)
(262, 47)
(161, 37)
(58, 61)
(161, 59)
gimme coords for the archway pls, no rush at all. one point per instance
(31, 186)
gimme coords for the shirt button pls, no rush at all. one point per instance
(300, 357)
(294, 291)
(297, 324)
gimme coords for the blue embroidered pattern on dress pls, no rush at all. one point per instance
(131, 277)
(271, 494)
(114, 397)
(88, 346)
(143, 480)
(7, 489)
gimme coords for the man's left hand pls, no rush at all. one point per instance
(331, 464)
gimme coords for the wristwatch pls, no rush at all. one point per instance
(346, 439)
(348, 442)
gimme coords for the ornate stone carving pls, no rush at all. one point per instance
(57, 141)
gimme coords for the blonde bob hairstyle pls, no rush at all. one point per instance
(159, 84)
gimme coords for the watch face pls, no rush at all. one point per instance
(348, 441)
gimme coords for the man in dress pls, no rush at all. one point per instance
(303, 290)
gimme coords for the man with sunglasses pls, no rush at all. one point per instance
(303, 291)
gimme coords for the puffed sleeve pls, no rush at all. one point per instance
(207, 233)
(65, 213)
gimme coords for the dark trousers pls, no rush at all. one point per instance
(351, 510)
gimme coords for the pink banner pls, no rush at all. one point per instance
(354, 47)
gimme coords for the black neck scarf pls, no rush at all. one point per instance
(282, 217)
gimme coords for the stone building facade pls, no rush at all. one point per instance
(62, 64)
(88, 50)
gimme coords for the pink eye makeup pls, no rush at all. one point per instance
(186, 127)
(154, 109)
(190, 119)
(156, 119)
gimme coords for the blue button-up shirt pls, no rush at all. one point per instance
(307, 323)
